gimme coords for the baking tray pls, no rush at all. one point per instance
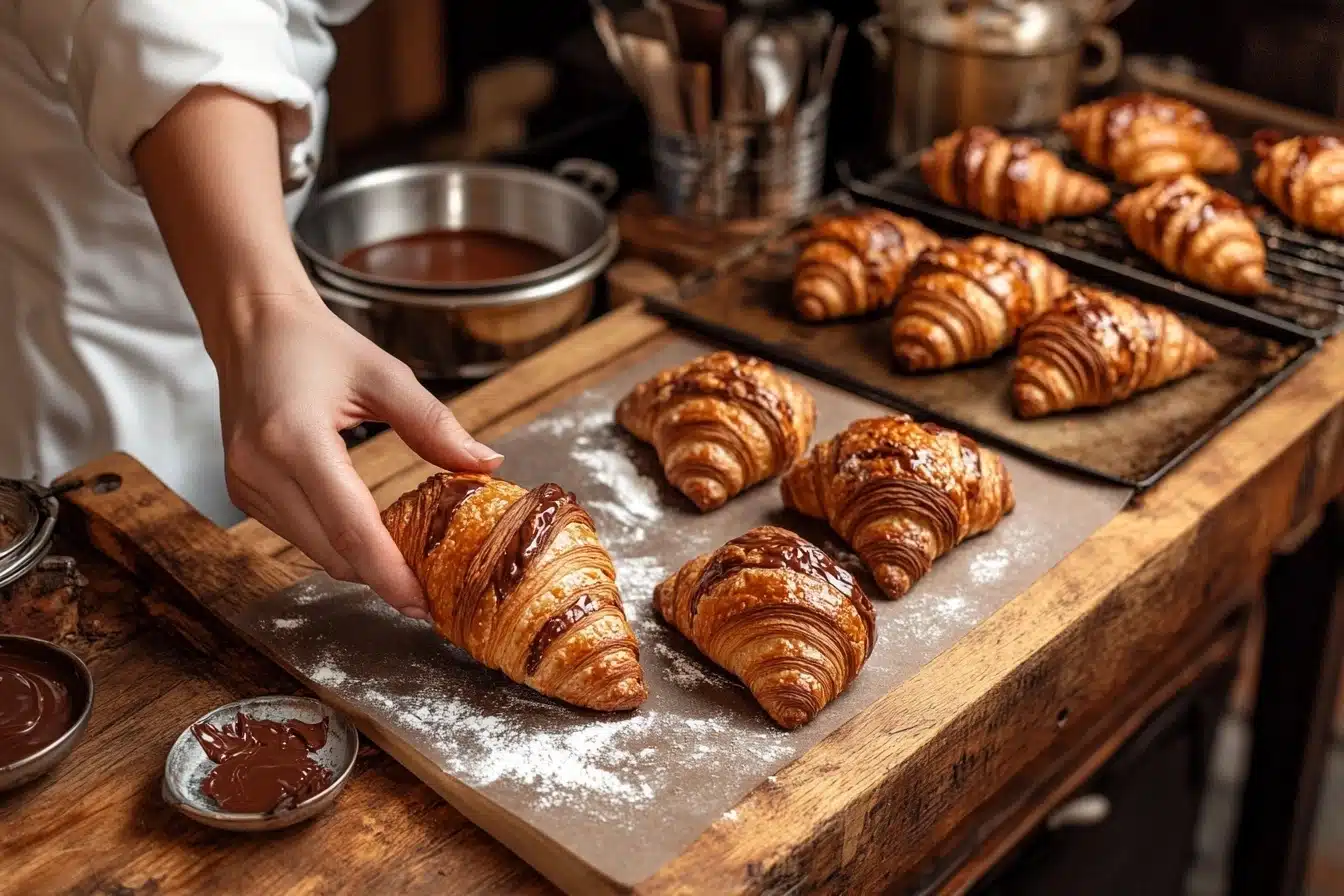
(744, 299)
(623, 794)
(1306, 268)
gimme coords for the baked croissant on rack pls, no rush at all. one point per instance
(1304, 177)
(1143, 137)
(519, 580)
(963, 302)
(1197, 232)
(853, 264)
(777, 612)
(1009, 179)
(720, 424)
(1095, 348)
(901, 493)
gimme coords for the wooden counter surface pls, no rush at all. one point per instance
(958, 763)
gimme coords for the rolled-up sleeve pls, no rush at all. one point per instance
(126, 63)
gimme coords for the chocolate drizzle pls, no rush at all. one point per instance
(534, 533)
(556, 626)
(733, 384)
(767, 547)
(453, 491)
(35, 705)
(262, 765)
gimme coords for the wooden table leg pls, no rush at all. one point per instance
(1294, 706)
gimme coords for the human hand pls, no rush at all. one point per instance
(292, 376)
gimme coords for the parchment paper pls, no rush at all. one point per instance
(627, 793)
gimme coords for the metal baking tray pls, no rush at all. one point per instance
(1306, 268)
(744, 299)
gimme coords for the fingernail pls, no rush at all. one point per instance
(482, 453)
(415, 613)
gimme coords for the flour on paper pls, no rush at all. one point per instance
(286, 624)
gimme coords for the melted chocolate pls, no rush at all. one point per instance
(733, 384)
(35, 707)
(556, 626)
(262, 765)
(530, 538)
(769, 548)
(454, 491)
(452, 256)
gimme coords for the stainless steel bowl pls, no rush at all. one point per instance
(451, 331)
(187, 765)
(16, 774)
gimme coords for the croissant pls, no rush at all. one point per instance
(901, 493)
(1143, 137)
(1197, 232)
(720, 424)
(853, 264)
(1304, 177)
(961, 302)
(519, 580)
(777, 612)
(1009, 179)
(1094, 348)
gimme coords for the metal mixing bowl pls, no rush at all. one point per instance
(16, 774)
(471, 330)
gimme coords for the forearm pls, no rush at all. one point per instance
(211, 172)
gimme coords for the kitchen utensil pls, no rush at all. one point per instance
(27, 522)
(657, 67)
(697, 85)
(1013, 64)
(16, 774)
(668, 27)
(605, 26)
(447, 330)
(700, 27)
(187, 765)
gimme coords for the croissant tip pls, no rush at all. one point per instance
(810, 308)
(912, 357)
(1030, 401)
(790, 718)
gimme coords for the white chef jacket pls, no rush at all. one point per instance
(99, 350)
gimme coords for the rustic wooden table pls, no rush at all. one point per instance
(956, 766)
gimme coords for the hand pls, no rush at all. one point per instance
(291, 377)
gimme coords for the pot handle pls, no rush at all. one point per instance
(881, 44)
(1107, 43)
(600, 180)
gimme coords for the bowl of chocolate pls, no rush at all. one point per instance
(461, 269)
(260, 764)
(46, 694)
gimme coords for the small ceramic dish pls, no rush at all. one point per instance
(18, 773)
(188, 765)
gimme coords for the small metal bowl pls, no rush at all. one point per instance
(187, 764)
(16, 774)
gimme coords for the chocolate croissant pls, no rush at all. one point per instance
(1142, 137)
(777, 612)
(901, 493)
(1197, 232)
(519, 580)
(720, 424)
(963, 302)
(1009, 179)
(853, 264)
(1304, 177)
(1094, 348)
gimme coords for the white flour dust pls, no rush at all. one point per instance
(990, 566)
(328, 675)
(687, 673)
(286, 624)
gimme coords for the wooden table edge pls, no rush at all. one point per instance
(1085, 593)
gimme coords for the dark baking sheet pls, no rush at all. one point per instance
(1306, 268)
(623, 794)
(745, 299)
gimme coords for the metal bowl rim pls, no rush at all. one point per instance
(73, 733)
(238, 818)
(343, 291)
(397, 173)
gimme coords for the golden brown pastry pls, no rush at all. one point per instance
(519, 580)
(1143, 137)
(1197, 232)
(1304, 177)
(853, 264)
(1009, 179)
(1095, 348)
(901, 493)
(776, 611)
(963, 302)
(720, 424)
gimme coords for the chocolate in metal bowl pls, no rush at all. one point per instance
(187, 765)
(475, 328)
(79, 683)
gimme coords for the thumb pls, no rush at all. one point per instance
(427, 427)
